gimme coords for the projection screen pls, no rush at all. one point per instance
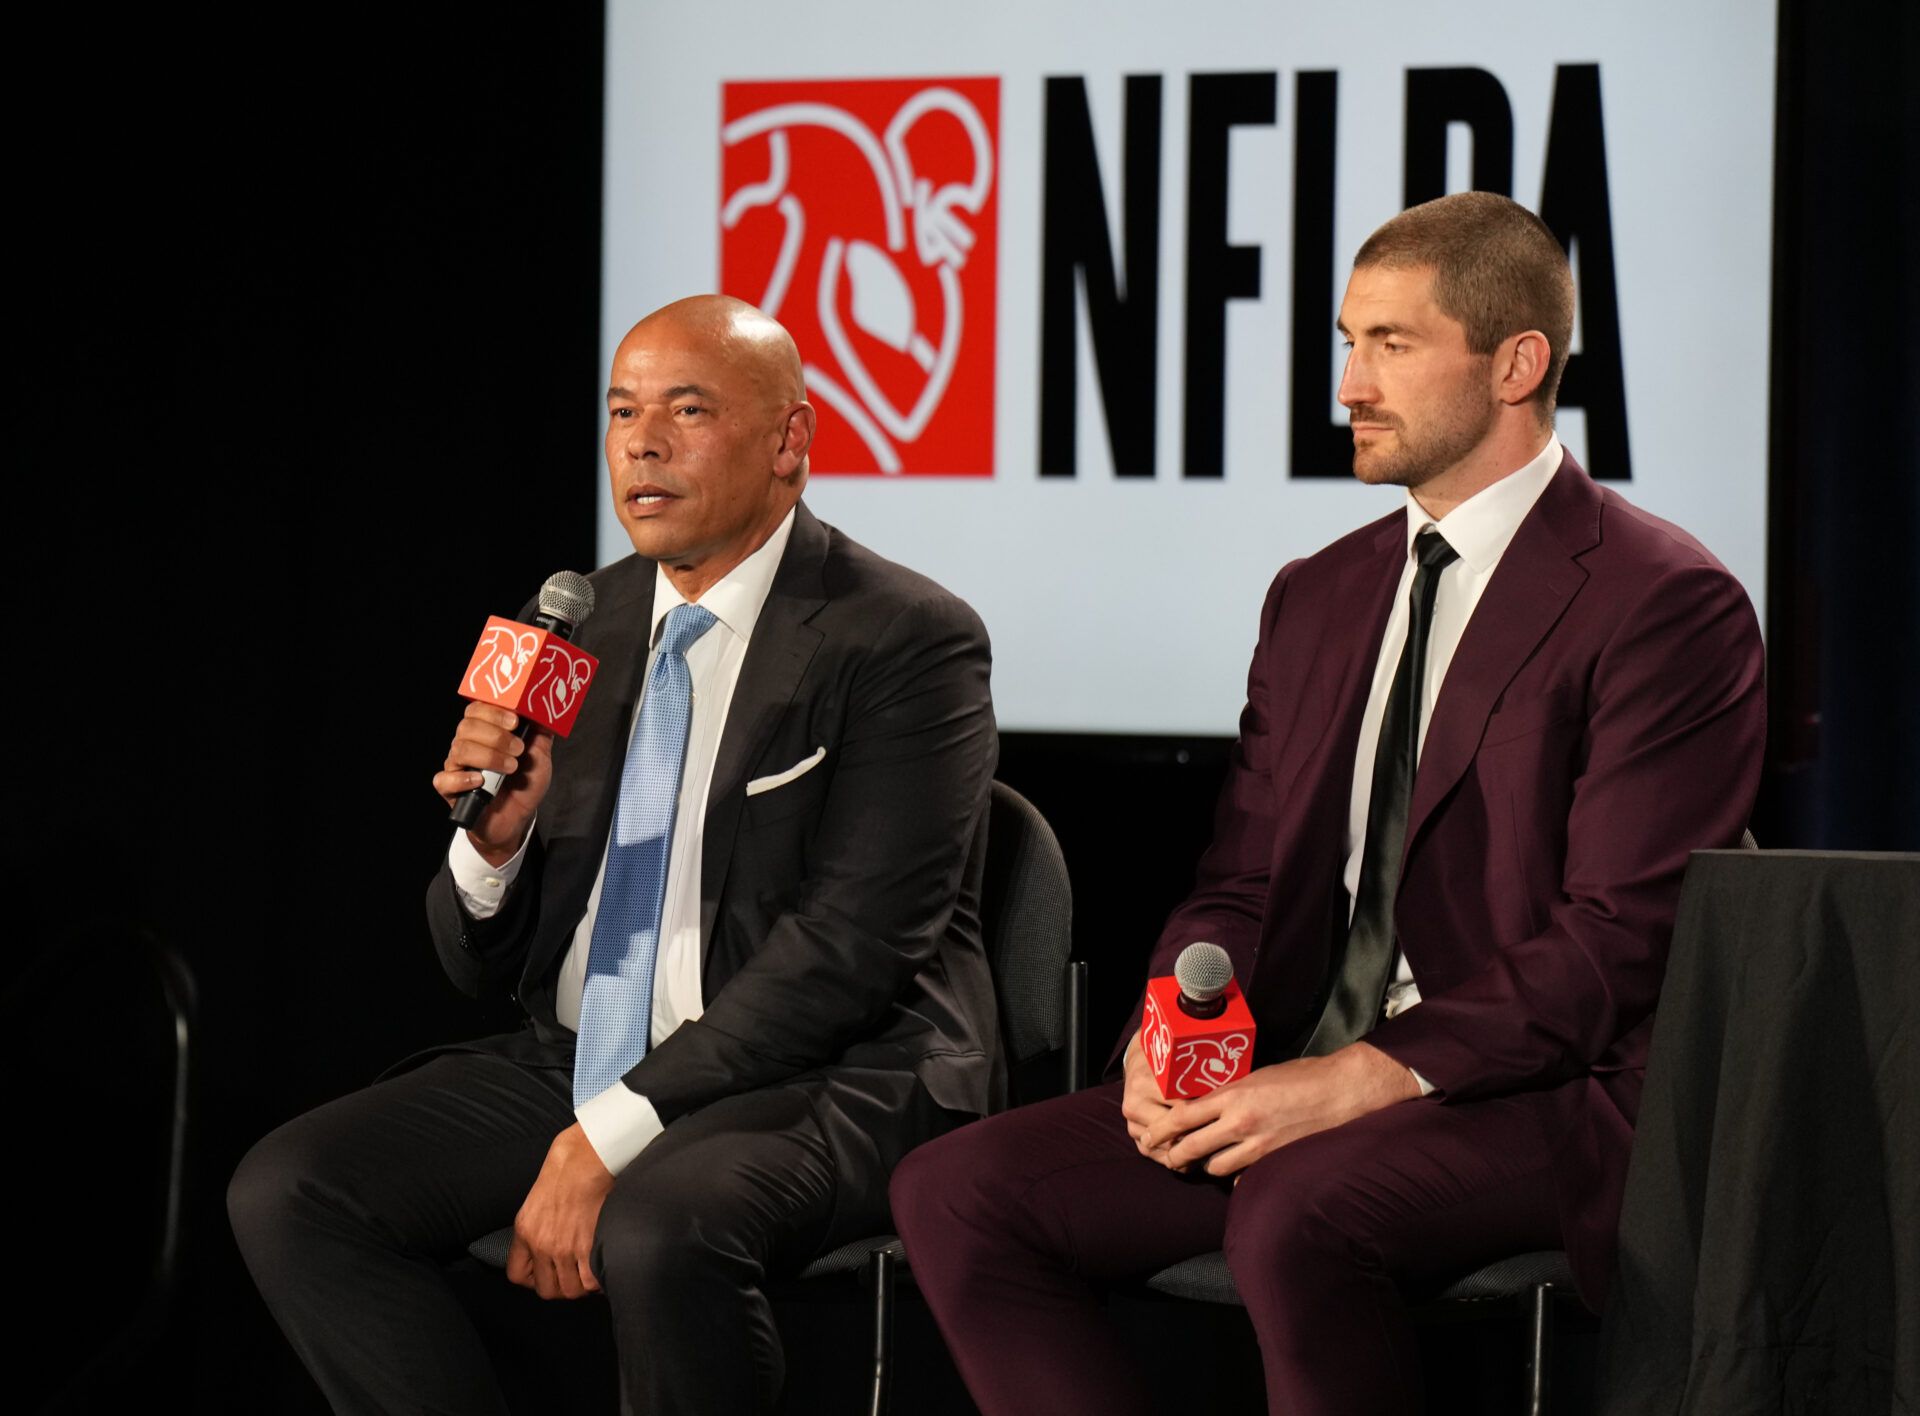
(1064, 276)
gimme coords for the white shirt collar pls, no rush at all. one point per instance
(737, 597)
(1482, 525)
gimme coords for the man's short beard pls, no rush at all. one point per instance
(1438, 447)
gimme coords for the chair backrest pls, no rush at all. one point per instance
(1026, 907)
(106, 1010)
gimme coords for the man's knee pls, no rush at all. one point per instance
(666, 1239)
(274, 1191)
(643, 1253)
(967, 1181)
(1292, 1216)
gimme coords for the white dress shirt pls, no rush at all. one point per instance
(1480, 529)
(619, 1122)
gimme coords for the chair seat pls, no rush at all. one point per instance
(852, 1257)
(491, 1250)
(1204, 1278)
(1519, 1274)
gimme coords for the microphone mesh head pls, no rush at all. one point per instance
(1203, 972)
(567, 596)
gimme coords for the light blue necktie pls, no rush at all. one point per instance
(616, 1007)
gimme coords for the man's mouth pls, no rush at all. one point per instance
(647, 494)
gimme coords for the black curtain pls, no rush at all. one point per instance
(1843, 583)
(311, 375)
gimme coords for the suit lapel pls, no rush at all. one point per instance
(1342, 664)
(596, 752)
(782, 646)
(623, 624)
(1536, 579)
(1366, 589)
(1312, 790)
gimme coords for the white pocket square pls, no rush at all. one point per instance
(780, 779)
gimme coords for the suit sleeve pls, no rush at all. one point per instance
(887, 856)
(1676, 729)
(484, 956)
(1230, 886)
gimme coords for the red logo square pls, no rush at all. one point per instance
(863, 215)
(529, 671)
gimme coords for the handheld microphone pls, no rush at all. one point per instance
(531, 670)
(1197, 1030)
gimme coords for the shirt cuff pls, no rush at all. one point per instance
(1426, 1087)
(481, 887)
(619, 1124)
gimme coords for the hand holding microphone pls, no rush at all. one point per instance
(1196, 1034)
(1196, 1039)
(487, 744)
(527, 683)
(1196, 1030)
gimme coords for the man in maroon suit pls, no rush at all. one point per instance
(1481, 737)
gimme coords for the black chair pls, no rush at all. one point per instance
(1027, 921)
(106, 1015)
(1534, 1280)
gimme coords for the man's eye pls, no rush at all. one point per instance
(619, 412)
(686, 408)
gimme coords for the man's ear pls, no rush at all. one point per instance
(796, 436)
(1519, 365)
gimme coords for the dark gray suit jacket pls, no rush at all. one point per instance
(840, 913)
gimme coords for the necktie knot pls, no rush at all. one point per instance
(685, 624)
(1430, 548)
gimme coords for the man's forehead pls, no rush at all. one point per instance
(1408, 283)
(667, 358)
(1401, 296)
(663, 353)
(658, 339)
(641, 390)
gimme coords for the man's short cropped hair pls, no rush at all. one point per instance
(1497, 269)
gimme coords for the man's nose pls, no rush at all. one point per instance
(646, 435)
(1356, 382)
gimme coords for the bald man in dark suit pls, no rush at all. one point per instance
(752, 969)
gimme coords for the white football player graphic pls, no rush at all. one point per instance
(932, 221)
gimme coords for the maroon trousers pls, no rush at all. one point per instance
(1013, 1223)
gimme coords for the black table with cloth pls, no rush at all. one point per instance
(1769, 1255)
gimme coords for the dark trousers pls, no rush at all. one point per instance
(347, 1215)
(1014, 1223)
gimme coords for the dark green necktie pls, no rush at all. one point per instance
(1361, 987)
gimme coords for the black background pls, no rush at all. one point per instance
(308, 335)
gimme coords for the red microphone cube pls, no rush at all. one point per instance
(1192, 1056)
(529, 671)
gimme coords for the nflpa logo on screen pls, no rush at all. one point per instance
(861, 214)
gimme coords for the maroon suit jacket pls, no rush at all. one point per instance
(1602, 717)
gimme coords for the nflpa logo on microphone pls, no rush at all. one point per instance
(1192, 1056)
(529, 671)
(861, 214)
